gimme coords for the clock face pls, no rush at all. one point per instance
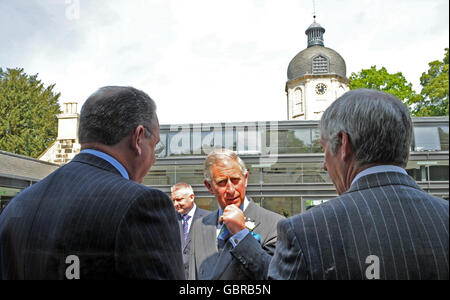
(321, 88)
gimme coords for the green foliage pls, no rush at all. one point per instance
(28, 122)
(394, 84)
(435, 92)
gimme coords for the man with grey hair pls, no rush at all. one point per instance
(238, 240)
(383, 225)
(187, 212)
(91, 218)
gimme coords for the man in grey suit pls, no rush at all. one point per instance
(91, 218)
(236, 241)
(382, 226)
(183, 198)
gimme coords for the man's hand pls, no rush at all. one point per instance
(234, 218)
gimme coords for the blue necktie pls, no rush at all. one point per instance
(223, 236)
(186, 226)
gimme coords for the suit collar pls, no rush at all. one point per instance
(382, 179)
(95, 161)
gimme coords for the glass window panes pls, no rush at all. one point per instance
(291, 141)
(426, 139)
(295, 173)
(316, 147)
(443, 137)
(285, 206)
(248, 140)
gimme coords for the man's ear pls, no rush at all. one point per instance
(346, 150)
(137, 138)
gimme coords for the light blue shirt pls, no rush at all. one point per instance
(235, 239)
(379, 169)
(109, 159)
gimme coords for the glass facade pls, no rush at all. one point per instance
(284, 160)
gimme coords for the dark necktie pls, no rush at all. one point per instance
(223, 236)
(186, 226)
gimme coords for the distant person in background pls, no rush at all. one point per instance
(187, 211)
(91, 218)
(383, 225)
(237, 241)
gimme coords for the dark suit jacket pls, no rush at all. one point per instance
(186, 246)
(247, 261)
(385, 215)
(116, 227)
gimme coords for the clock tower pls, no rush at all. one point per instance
(316, 77)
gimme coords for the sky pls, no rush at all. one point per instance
(208, 60)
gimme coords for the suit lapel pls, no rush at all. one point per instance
(251, 213)
(188, 240)
(207, 242)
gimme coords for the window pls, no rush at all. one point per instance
(443, 137)
(298, 102)
(292, 141)
(320, 64)
(426, 139)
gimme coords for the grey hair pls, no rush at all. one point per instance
(378, 124)
(219, 155)
(182, 186)
(112, 112)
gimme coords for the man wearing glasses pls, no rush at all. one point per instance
(91, 218)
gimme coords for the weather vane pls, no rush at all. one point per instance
(314, 6)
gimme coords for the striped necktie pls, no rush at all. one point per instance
(186, 226)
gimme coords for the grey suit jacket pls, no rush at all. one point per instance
(117, 228)
(247, 261)
(383, 215)
(186, 245)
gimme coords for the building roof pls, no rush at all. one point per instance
(302, 63)
(22, 167)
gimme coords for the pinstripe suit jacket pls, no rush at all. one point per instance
(382, 214)
(118, 229)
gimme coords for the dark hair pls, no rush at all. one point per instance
(112, 112)
(378, 124)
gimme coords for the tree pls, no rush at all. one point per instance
(394, 84)
(435, 92)
(28, 110)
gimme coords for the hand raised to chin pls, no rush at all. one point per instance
(234, 218)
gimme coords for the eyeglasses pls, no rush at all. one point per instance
(160, 147)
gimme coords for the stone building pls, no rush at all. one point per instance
(66, 145)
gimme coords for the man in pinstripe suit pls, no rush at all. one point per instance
(91, 219)
(382, 226)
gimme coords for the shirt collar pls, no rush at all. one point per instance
(379, 169)
(192, 211)
(116, 164)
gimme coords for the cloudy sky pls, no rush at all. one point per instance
(211, 60)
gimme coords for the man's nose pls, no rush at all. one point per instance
(230, 187)
(325, 166)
